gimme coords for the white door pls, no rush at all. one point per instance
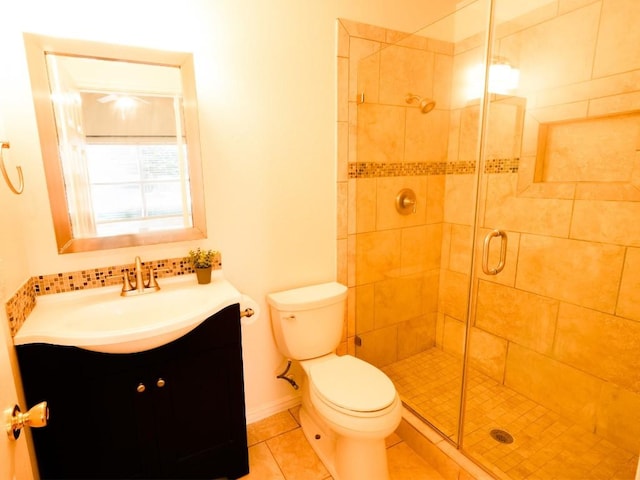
(15, 462)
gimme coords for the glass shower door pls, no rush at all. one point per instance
(553, 384)
(415, 130)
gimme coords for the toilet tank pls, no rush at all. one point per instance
(307, 322)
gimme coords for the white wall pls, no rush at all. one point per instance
(266, 81)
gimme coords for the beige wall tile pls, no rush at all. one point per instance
(365, 295)
(453, 336)
(387, 190)
(352, 191)
(578, 272)
(343, 40)
(442, 76)
(504, 129)
(343, 89)
(343, 151)
(377, 255)
(343, 261)
(453, 150)
(460, 248)
(603, 345)
(420, 249)
(379, 347)
(427, 135)
(629, 295)
(353, 132)
(416, 335)
(453, 297)
(364, 73)
(459, 199)
(350, 331)
(622, 192)
(622, 103)
(488, 353)
(365, 204)
(593, 89)
(551, 383)
(397, 300)
(610, 222)
(405, 70)
(618, 417)
(363, 30)
(468, 140)
(462, 89)
(508, 211)
(560, 113)
(520, 317)
(342, 211)
(380, 133)
(351, 260)
(618, 48)
(435, 198)
(430, 291)
(558, 51)
(403, 39)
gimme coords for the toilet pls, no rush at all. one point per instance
(348, 406)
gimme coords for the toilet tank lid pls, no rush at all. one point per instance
(306, 298)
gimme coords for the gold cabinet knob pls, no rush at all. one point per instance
(141, 388)
(161, 383)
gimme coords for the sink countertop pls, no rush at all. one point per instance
(101, 320)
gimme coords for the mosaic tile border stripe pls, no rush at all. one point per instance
(401, 169)
(23, 301)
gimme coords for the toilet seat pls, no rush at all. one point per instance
(352, 386)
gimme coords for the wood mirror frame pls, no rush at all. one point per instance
(36, 46)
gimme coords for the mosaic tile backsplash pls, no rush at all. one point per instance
(23, 302)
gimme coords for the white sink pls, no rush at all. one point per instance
(101, 320)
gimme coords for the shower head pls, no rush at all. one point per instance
(424, 104)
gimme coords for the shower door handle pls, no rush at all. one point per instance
(503, 252)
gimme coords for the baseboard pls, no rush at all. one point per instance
(266, 410)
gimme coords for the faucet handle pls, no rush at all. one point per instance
(126, 281)
(152, 282)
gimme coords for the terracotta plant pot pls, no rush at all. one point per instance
(204, 275)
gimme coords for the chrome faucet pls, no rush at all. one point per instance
(139, 286)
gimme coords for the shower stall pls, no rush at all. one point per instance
(489, 197)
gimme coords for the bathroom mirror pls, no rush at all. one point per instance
(119, 136)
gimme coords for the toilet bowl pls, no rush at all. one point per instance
(348, 406)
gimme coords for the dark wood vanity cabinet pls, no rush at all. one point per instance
(176, 411)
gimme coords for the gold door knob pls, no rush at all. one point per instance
(161, 383)
(141, 388)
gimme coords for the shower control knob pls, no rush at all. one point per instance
(406, 201)
(140, 388)
(161, 383)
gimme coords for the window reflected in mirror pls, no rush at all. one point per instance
(120, 141)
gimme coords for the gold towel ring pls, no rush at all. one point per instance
(15, 190)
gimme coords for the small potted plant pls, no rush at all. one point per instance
(202, 261)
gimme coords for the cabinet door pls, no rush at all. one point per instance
(201, 414)
(96, 421)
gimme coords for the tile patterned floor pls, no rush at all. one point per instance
(278, 450)
(545, 446)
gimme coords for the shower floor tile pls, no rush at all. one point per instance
(545, 445)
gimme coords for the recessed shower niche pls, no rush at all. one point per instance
(586, 158)
(601, 149)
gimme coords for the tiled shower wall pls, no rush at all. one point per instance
(561, 323)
